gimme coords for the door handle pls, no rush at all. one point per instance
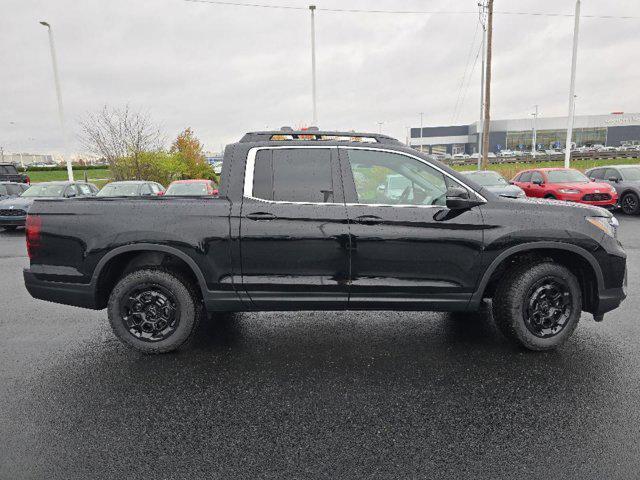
(261, 216)
(368, 219)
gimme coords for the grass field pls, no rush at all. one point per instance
(96, 176)
(508, 170)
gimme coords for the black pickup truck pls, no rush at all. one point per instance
(326, 221)
(9, 173)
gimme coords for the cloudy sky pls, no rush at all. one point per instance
(225, 70)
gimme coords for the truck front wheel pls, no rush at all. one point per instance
(153, 310)
(538, 305)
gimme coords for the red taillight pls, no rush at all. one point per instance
(33, 229)
(215, 192)
(160, 193)
(28, 181)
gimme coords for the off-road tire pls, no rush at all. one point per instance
(509, 300)
(189, 308)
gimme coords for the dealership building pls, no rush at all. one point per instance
(611, 130)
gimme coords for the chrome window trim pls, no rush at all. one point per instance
(251, 163)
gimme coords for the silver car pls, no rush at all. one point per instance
(494, 182)
(625, 179)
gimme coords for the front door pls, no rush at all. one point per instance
(293, 227)
(407, 247)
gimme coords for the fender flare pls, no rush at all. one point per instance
(149, 247)
(531, 246)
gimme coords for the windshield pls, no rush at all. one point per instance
(8, 169)
(632, 173)
(566, 176)
(55, 190)
(487, 179)
(119, 190)
(187, 189)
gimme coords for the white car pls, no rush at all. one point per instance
(461, 156)
(506, 153)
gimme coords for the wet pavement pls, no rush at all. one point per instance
(315, 395)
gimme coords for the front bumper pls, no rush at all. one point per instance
(577, 198)
(75, 294)
(12, 221)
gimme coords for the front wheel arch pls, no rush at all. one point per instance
(577, 260)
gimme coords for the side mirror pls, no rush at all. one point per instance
(613, 179)
(459, 199)
(592, 179)
(538, 182)
(71, 195)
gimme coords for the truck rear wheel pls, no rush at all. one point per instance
(538, 305)
(153, 310)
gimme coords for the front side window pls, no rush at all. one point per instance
(393, 179)
(611, 173)
(293, 175)
(85, 190)
(525, 177)
(536, 177)
(597, 174)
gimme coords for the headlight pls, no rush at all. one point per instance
(607, 225)
(569, 190)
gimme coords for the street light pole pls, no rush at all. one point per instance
(534, 140)
(312, 8)
(421, 117)
(59, 95)
(380, 127)
(483, 23)
(572, 86)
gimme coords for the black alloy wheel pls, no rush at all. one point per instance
(547, 307)
(149, 313)
(630, 204)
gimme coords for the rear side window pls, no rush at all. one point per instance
(293, 175)
(3, 190)
(525, 177)
(597, 174)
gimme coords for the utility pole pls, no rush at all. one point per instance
(421, 116)
(380, 127)
(483, 24)
(487, 90)
(59, 95)
(408, 134)
(312, 8)
(534, 140)
(2, 153)
(572, 86)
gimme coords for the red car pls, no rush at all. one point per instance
(565, 184)
(191, 188)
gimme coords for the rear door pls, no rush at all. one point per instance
(407, 247)
(293, 229)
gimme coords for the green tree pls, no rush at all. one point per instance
(189, 151)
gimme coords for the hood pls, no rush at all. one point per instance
(586, 209)
(23, 203)
(591, 187)
(507, 190)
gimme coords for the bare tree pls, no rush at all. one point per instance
(115, 133)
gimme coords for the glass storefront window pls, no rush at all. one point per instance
(555, 138)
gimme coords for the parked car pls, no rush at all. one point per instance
(626, 181)
(190, 188)
(506, 153)
(565, 184)
(460, 156)
(494, 182)
(9, 173)
(12, 189)
(132, 188)
(300, 224)
(13, 211)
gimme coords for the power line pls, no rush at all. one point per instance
(409, 12)
(464, 75)
(464, 95)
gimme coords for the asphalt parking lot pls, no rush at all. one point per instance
(315, 395)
